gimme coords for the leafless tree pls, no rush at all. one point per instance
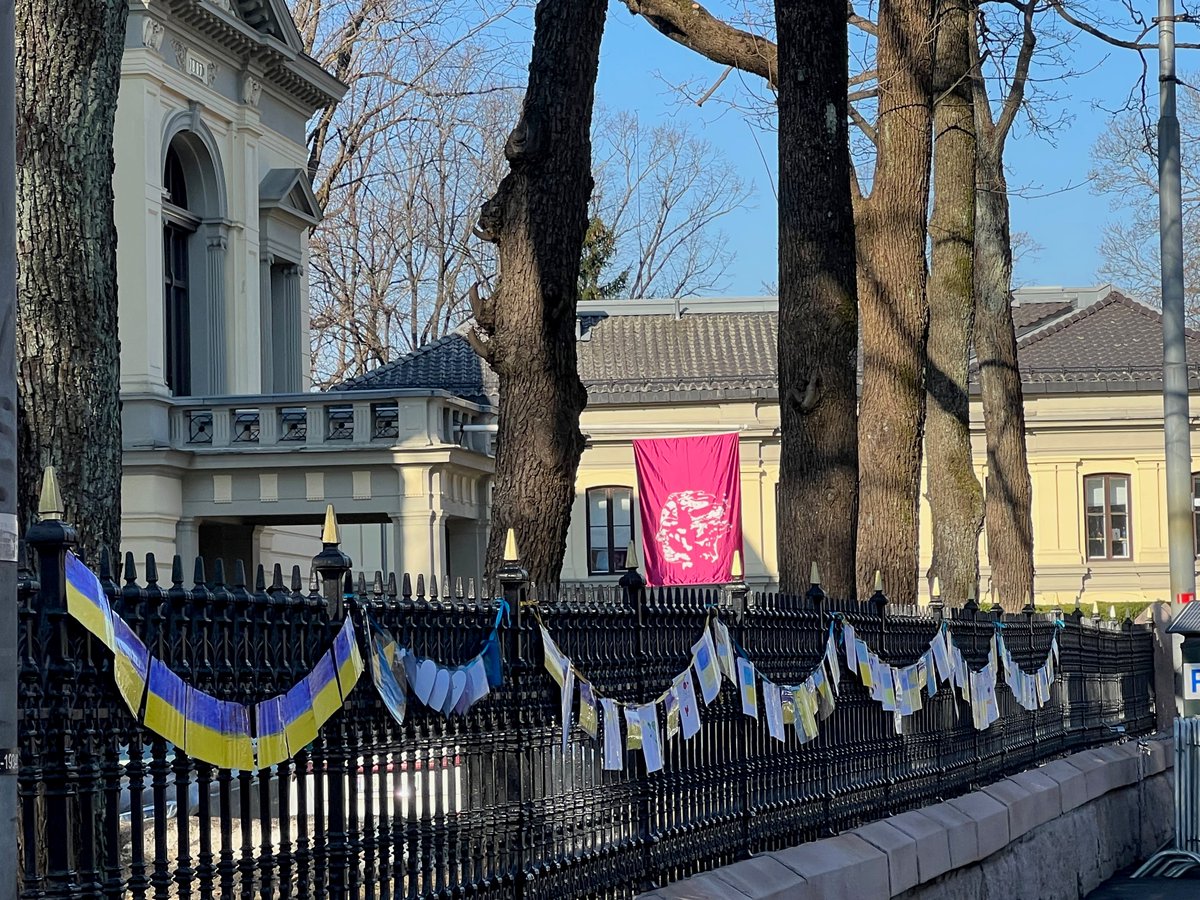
(663, 191)
(1125, 170)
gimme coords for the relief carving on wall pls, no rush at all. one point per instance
(152, 33)
(251, 90)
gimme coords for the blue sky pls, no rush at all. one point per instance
(1051, 199)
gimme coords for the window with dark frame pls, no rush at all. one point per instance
(176, 301)
(609, 528)
(1107, 514)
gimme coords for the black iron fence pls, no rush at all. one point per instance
(490, 805)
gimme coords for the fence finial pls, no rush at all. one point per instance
(511, 553)
(879, 581)
(329, 536)
(935, 591)
(735, 569)
(814, 576)
(631, 557)
(50, 506)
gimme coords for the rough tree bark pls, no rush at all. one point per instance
(891, 230)
(526, 328)
(68, 72)
(955, 497)
(818, 314)
(1009, 494)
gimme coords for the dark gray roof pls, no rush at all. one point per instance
(705, 350)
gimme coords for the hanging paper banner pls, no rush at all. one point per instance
(347, 658)
(704, 659)
(647, 716)
(774, 708)
(299, 723)
(166, 704)
(131, 664)
(670, 702)
(691, 507)
(86, 601)
(689, 712)
(272, 741)
(850, 643)
(568, 698)
(831, 660)
(587, 709)
(388, 674)
(724, 647)
(633, 728)
(614, 752)
(323, 688)
(218, 732)
(747, 687)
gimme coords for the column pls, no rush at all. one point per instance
(187, 543)
(289, 330)
(266, 325)
(217, 243)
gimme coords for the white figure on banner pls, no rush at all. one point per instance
(692, 522)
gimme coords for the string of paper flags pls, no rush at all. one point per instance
(717, 656)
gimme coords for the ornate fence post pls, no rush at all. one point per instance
(332, 565)
(633, 595)
(514, 584)
(739, 595)
(51, 538)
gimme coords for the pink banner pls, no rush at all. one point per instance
(691, 508)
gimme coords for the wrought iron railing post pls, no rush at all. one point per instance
(51, 538)
(879, 602)
(514, 585)
(817, 597)
(739, 597)
(970, 611)
(332, 565)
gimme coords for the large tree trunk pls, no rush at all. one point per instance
(1009, 494)
(68, 71)
(526, 329)
(818, 317)
(891, 228)
(955, 497)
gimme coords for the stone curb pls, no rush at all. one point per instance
(893, 855)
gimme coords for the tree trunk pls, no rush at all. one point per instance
(68, 71)
(1009, 494)
(891, 229)
(955, 497)
(818, 317)
(526, 329)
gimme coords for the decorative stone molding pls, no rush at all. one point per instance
(193, 64)
(251, 90)
(181, 51)
(153, 32)
(223, 4)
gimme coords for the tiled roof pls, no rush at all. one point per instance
(1114, 340)
(1028, 316)
(711, 350)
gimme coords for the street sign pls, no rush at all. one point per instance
(1191, 681)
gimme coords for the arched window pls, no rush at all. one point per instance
(194, 244)
(609, 528)
(179, 226)
(1107, 514)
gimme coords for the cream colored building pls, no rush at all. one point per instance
(228, 453)
(1091, 364)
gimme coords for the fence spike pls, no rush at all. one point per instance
(177, 570)
(470, 588)
(458, 588)
(218, 573)
(377, 584)
(151, 570)
(50, 505)
(391, 585)
(277, 577)
(260, 579)
(362, 583)
(130, 568)
(239, 574)
(420, 586)
(105, 572)
(433, 588)
(406, 587)
(297, 580)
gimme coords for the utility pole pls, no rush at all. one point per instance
(1176, 413)
(8, 454)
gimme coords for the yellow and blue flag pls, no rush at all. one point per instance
(166, 704)
(86, 601)
(323, 688)
(218, 732)
(131, 663)
(347, 658)
(299, 723)
(272, 741)
(390, 678)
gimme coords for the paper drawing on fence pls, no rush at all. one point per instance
(614, 752)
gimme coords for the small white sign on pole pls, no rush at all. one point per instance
(1191, 681)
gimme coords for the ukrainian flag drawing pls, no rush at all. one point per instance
(272, 740)
(131, 662)
(347, 658)
(166, 704)
(299, 723)
(323, 688)
(218, 732)
(387, 675)
(86, 601)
